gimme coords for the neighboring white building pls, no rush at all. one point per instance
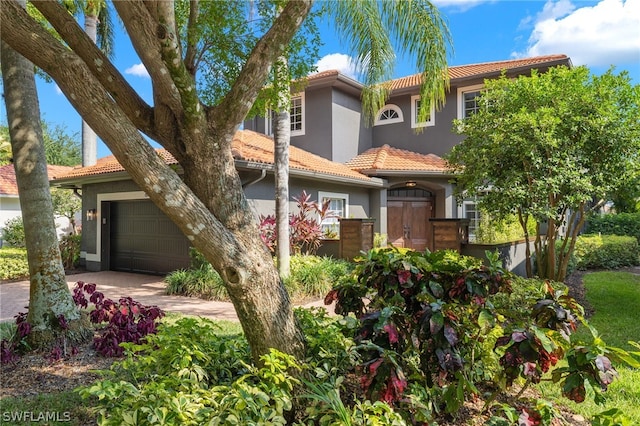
(10, 202)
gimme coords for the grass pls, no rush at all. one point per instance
(615, 297)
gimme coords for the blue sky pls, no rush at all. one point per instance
(595, 33)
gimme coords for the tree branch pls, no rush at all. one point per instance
(140, 113)
(147, 169)
(236, 104)
(142, 28)
(190, 56)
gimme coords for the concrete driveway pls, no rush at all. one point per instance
(146, 289)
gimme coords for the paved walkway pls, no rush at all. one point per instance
(146, 289)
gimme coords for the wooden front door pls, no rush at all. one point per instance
(408, 223)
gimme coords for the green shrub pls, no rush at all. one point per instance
(313, 276)
(614, 224)
(13, 232)
(70, 250)
(380, 240)
(187, 374)
(435, 326)
(606, 251)
(492, 231)
(13, 263)
(203, 282)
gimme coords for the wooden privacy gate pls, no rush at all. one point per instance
(408, 214)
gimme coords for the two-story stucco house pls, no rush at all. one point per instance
(389, 171)
(327, 120)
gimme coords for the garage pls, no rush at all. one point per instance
(142, 239)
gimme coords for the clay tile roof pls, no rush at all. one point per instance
(323, 74)
(256, 147)
(8, 184)
(246, 146)
(386, 158)
(108, 165)
(464, 71)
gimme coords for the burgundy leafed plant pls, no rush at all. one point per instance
(305, 230)
(127, 320)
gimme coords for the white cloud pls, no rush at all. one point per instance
(58, 90)
(137, 70)
(338, 61)
(604, 34)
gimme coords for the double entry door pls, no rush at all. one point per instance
(408, 223)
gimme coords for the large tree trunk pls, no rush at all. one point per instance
(49, 297)
(208, 204)
(89, 138)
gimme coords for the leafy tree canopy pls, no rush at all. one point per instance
(548, 145)
(61, 148)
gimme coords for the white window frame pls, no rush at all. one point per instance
(379, 121)
(268, 118)
(295, 97)
(431, 121)
(474, 222)
(461, 92)
(333, 223)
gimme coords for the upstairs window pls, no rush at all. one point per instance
(415, 107)
(468, 100)
(389, 114)
(296, 114)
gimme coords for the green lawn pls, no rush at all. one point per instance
(615, 297)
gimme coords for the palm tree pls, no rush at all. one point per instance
(368, 28)
(366, 25)
(97, 25)
(50, 301)
(282, 138)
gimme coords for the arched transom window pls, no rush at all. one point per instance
(389, 114)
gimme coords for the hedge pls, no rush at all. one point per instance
(614, 224)
(606, 251)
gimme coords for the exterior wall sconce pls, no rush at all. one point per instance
(91, 214)
(410, 183)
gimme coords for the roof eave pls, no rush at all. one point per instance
(394, 173)
(453, 82)
(366, 181)
(338, 80)
(512, 71)
(90, 179)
